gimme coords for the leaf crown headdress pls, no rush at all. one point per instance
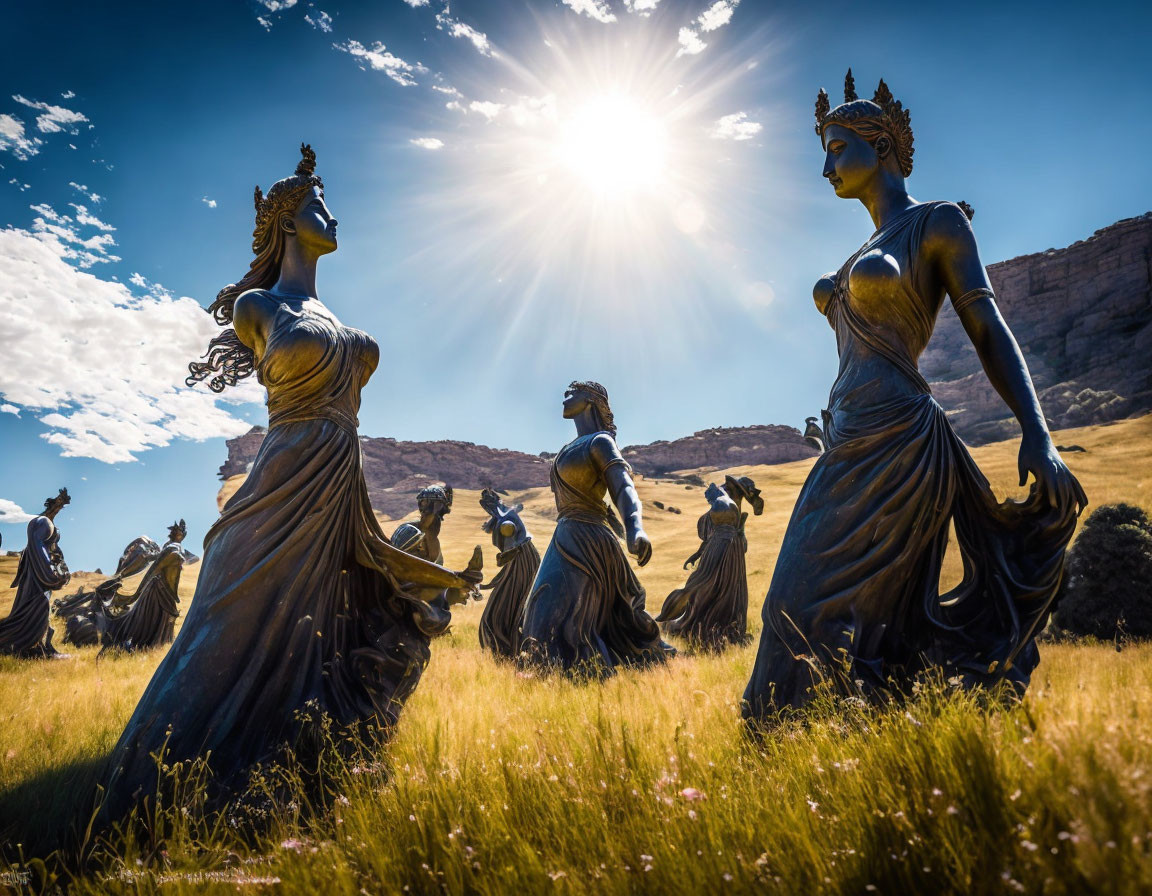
(883, 113)
(285, 195)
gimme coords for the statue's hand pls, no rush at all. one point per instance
(640, 546)
(1054, 480)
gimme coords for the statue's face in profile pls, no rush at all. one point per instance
(574, 403)
(850, 163)
(315, 227)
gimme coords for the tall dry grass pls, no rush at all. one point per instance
(496, 782)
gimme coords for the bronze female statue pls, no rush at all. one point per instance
(585, 614)
(518, 561)
(25, 631)
(150, 617)
(855, 594)
(422, 538)
(299, 611)
(711, 610)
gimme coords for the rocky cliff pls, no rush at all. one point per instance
(395, 471)
(1083, 317)
(721, 448)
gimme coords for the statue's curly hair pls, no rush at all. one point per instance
(598, 395)
(228, 360)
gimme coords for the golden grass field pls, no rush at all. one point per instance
(497, 782)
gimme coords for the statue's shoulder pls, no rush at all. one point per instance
(406, 536)
(604, 450)
(254, 304)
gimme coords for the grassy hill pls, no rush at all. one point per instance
(498, 781)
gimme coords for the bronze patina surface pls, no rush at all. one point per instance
(25, 631)
(711, 610)
(586, 614)
(422, 538)
(855, 594)
(517, 560)
(299, 609)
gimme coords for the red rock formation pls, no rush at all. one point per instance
(1083, 317)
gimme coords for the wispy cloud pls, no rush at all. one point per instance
(427, 142)
(641, 7)
(277, 5)
(715, 16)
(10, 511)
(456, 28)
(377, 58)
(736, 126)
(319, 20)
(265, 22)
(9, 409)
(13, 139)
(594, 9)
(53, 119)
(59, 232)
(211, 203)
(83, 189)
(416, 3)
(85, 219)
(487, 109)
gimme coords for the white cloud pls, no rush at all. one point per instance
(456, 28)
(427, 142)
(690, 43)
(115, 384)
(19, 186)
(67, 95)
(11, 512)
(54, 118)
(717, 15)
(416, 3)
(58, 233)
(448, 89)
(265, 23)
(9, 409)
(84, 219)
(321, 21)
(642, 7)
(736, 126)
(83, 188)
(277, 5)
(12, 138)
(594, 9)
(211, 203)
(488, 110)
(379, 59)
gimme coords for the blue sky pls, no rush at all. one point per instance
(529, 192)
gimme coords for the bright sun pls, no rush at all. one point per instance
(614, 145)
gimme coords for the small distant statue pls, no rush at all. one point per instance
(585, 614)
(150, 617)
(422, 537)
(518, 560)
(813, 434)
(25, 632)
(711, 610)
(855, 597)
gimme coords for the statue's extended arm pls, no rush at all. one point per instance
(966, 282)
(624, 496)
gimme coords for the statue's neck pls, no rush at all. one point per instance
(888, 200)
(297, 272)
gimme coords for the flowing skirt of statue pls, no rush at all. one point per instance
(500, 621)
(296, 614)
(855, 594)
(711, 610)
(586, 611)
(150, 618)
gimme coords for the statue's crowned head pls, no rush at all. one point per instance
(744, 487)
(228, 360)
(881, 118)
(58, 501)
(177, 531)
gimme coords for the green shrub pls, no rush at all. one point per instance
(1108, 584)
